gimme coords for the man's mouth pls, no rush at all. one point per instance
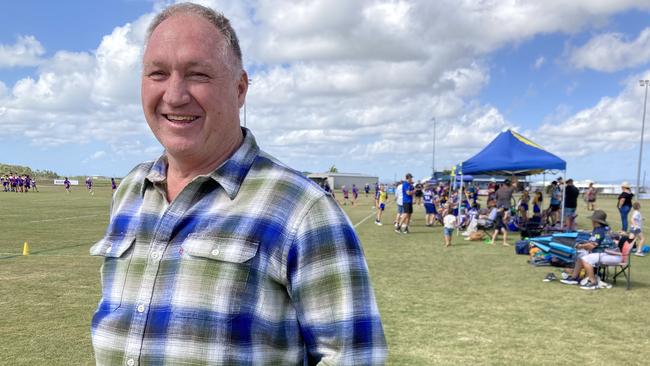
(177, 118)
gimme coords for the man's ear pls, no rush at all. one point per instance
(242, 88)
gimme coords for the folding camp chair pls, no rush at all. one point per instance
(623, 267)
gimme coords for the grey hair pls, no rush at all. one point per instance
(215, 18)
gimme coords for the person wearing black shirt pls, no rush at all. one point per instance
(624, 204)
(571, 194)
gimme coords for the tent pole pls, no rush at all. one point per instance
(460, 199)
(563, 197)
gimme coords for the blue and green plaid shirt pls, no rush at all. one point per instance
(252, 264)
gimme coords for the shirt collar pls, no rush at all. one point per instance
(229, 175)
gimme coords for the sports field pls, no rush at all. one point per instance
(465, 305)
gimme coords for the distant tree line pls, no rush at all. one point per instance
(22, 170)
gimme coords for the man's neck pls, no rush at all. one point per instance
(181, 170)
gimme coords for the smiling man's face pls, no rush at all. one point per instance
(191, 90)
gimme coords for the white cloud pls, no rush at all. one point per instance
(27, 51)
(613, 124)
(333, 81)
(539, 62)
(612, 52)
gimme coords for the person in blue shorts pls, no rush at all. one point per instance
(429, 205)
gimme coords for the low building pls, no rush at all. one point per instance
(337, 180)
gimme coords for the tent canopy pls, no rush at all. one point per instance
(512, 154)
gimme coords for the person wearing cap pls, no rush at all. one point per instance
(624, 204)
(593, 252)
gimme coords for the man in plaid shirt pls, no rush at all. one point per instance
(216, 253)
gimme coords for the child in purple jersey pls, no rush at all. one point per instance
(355, 194)
(27, 184)
(89, 186)
(19, 184)
(113, 184)
(66, 184)
(346, 194)
(13, 181)
(34, 188)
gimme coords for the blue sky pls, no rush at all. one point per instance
(347, 83)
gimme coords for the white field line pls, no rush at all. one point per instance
(65, 218)
(364, 220)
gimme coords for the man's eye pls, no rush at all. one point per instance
(198, 76)
(156, 75)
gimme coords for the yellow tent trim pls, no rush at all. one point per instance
(525, 140)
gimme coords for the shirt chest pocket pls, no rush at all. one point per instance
(212, 276)
(117, 251)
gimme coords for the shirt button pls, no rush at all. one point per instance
(140, 308)
(108, 250)
(215, 252)
(130, 362)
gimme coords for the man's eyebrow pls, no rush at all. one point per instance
(188, 65)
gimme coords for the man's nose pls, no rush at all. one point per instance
(176, 93)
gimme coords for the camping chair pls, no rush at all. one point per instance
(623, 267)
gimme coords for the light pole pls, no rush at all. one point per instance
(433, 155)
(644, 83)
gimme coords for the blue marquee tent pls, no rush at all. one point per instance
(512, 154)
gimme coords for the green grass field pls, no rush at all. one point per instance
(468, 304)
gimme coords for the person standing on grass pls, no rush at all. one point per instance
(380, 203)
(89, 186)
(637, 228)
(428, 198)
(366, 189)
(504, 195)
(113, 184)
(590, 197)
(449, 222)
(624, 204)
(407, 203)
(216, 253)
(346, 195)
(553, 212)
(500, 227)
(66, 184)
(27, 183)
(399, 202)
(571, 194)
(355, 194)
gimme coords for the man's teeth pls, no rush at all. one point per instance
(172, 117)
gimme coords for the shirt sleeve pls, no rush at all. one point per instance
(330, 288)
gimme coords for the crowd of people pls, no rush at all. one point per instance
(25, 183)
(510, 207)
(13, 182)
